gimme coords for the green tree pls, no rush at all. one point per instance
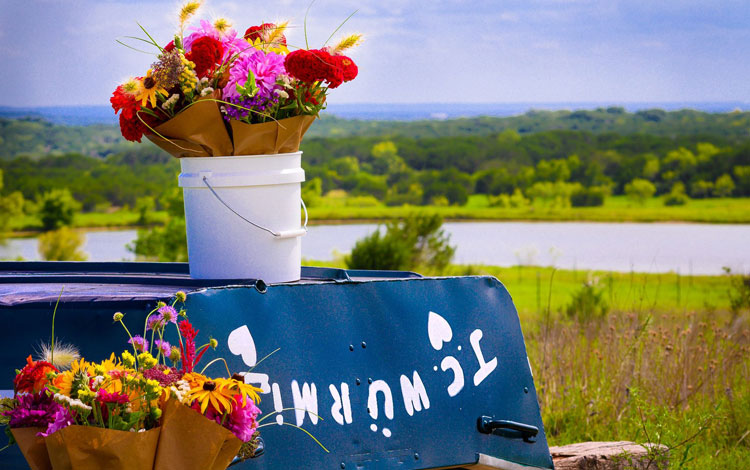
(700, 189)
(62, 244)
(386, 159)
(169, 241)
(640, 190)
(676, 196)
(57, 208)
(312, 191)
(417, 241)
(742, 175)
(145, 207)
(724, 186)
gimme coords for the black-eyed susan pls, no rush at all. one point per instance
(217, 392)
(239, 387)
(147, 90)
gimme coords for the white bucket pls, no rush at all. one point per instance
(243, 216)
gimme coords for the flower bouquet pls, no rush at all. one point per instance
(214, 92)
(133, 411)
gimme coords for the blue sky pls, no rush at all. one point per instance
(63, 52)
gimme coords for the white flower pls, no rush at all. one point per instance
(207, 91)
(281, 93)
(167, 105)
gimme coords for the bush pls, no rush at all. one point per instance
(592, 196)
(640, 190)
(145, 207)
(416, 241)
(676, 196)
(724, 186)
(516, 200)
(588, 302)
(57, 208)
(63, 244)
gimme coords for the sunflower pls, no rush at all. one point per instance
(147, 90)
(217, 392)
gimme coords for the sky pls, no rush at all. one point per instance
(64, 52)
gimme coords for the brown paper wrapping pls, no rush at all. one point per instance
(32, 447)
(190, 441)
(272, 137)
(91, 448)
(197, 131)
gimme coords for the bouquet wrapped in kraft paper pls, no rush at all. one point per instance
(92, 448)
(200, 131)
(214, 91)
(190, 441)
(141, 410)
(33, 447)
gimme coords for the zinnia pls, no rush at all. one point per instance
(33, 377)
(266, 67)
(206, 52)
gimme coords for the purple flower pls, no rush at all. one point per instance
(62, 419)
(265, 66)
(33, 410)
(258, 104)
(168, 314)
(155, 322)
(140, 343)
(164, 347)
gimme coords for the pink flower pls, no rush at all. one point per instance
(266, 67)
(243, 420)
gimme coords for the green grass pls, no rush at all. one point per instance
(365, 209)
(616, 209)
(119, 219)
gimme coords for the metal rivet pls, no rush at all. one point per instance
(364, 345)
(343, 465)
(351, 347)
(416, 456)
(358, 382)
(369, 380)
(526, 390)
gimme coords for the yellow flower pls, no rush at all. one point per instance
(146, 360)
(239, 387)
(64, 382)
(127, 359)
(216, 392)
(194, 379)
(277, 47)
(147, 90)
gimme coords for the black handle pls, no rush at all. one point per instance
(486, 425)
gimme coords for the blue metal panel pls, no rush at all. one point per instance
(370, 338)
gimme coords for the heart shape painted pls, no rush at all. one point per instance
(439, 331)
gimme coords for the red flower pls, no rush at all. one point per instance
(133, 129)
(255, 32)
(33, 377)
(348, 67)
(205, 53)
(169, 47)
(309, 66)
(188, 348)
(124, 102)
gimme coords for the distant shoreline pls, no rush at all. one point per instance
(103, 114)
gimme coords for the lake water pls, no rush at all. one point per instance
(683, 248)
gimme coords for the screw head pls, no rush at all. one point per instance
(416, 456)
(358, 381)
(364, 345)
(343, 465)
(526, 390)
(369, 380)
(351, 347)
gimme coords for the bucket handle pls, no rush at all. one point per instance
(280, 235)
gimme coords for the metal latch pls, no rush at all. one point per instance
(487, 425)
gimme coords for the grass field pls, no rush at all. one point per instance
(616, 209)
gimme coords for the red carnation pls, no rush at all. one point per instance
(205, 53)
(256, 32)
(169, 47)
(133, 129)
(33, 377)
(124, 102)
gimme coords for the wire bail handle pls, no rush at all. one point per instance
(280, 235)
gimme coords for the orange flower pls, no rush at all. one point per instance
(33, 377)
